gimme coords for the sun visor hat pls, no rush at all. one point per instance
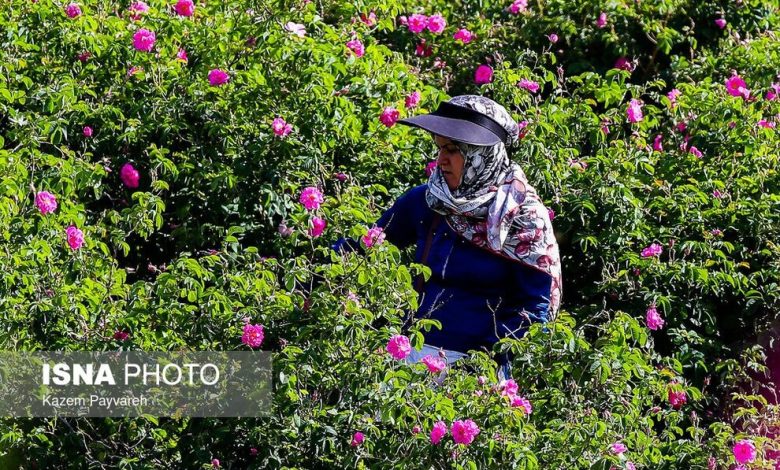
(460, 123)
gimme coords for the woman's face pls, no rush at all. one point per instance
(450, 161)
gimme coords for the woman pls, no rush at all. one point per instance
(482, 230)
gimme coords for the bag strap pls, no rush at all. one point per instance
(427, 249)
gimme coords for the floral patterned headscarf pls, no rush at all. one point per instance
(495, 207)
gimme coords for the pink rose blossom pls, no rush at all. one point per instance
(389, 116)
(618, 448)
(602, 21)
(369, 20)
(46, 202)
(120, 335)
(772, 94)
(143, 40)
(296, 28)
(136, 9)
(436, 24)
(280, 127)
(84, 56)
(129, 175)
(340, 176)
(672, 95)
(412, 100)
(311, 198)
(766, 124)
(551, 213)
(677, 398)
(654, 319)
(430, 167)
(721, 23)
(375, 236)
(464, 431)
(434, 364)
(508, 387)
(696, 152)
(182, 55)
(518, 6)
(624, 64)
(215, 463)
(357, 439)
(717, 194)
(356, 47)
(521, 402)
(73, 10)
(253, 451)
(253, 335)
(318, 225)
(403, 20)
(630, 465)
(552, 37)
(134, 70)
(218, 77)
(87, 131)
(744, 451)
(416, 429)
(399, 347)
(737, 87)
(422, 50)
(657, 144)
(184, 8)
(529, 85)
(681, 126)
(464, 36)
(75, 237)
(483, 74)
(438, 432)
(653, 250)
(634, 111)
(438, 63)
(417, 23)
(716, 232)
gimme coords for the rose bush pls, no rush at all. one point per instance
(230, 142)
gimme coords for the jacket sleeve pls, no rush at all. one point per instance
(528, 301)
(398, 223)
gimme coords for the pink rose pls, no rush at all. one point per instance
(434, 364)
(182, 55)
(399, 347)
(84, 56)
(653, 318)
(624, 64)
(464, 36)
(143, 40)
(483, 74)
(744, 451)
(436, 24)
(296, 28)
(521, 402)
(422, 50)
(87, 131)
(136, 9)
(618, 448)
(464, 431)
(375, 236)
(357, 439)
(280, 127)
(677, 399)
(430, 167)
(653, 250)
(311, 198)
(215, 463)
(75, 237)
(602, 21)
(218, 77)
(657, 145)
(518, 6)
(129, 175)
(412, 100)
(253, 335)
(551, 214)
(369, 20)
(120, 335)
(46, 202)
(529, 85)
(318, 225)
(696, 152)
(721, 23)
(356, 47)
(508, 387)
(634, 111)
(553, 38)
(389, 116)
(737, 87)
(417, 23)
(184, 8)
(438, 432)
(73, 10)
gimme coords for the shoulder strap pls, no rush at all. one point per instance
(435, 223)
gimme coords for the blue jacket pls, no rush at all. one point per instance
(467, 283)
